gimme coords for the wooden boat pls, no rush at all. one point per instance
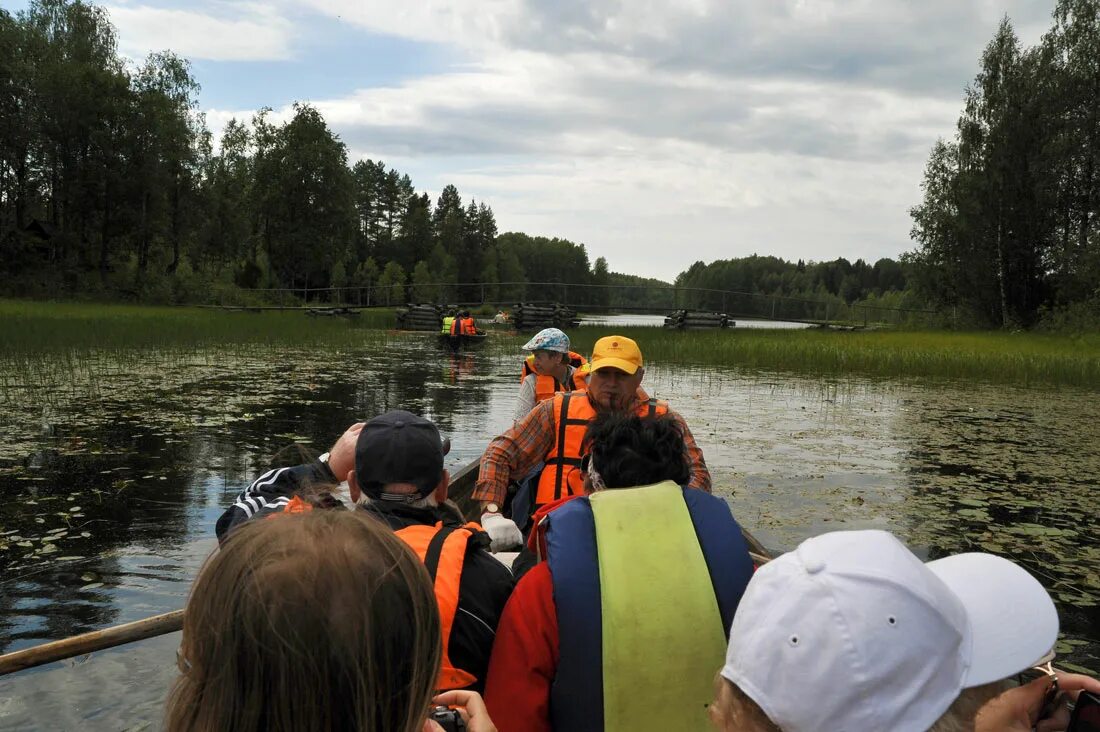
(460, 492)
(461, 342)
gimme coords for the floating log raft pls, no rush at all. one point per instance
(697, 320)
(536, 317)
(345, 312)
(420, 317)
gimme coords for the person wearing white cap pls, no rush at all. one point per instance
(550, 367)
(852, 632)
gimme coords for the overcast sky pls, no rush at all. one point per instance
(656, 133)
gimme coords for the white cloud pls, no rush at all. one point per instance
(459, 22)
(262, 36)
(659, 132)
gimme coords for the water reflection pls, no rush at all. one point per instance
(1013, 473)
(151, 467)
(133, 458)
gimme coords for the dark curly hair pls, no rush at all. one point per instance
(628, 450)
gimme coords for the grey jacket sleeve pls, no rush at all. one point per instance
(525, 402)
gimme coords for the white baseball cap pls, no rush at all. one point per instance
(851, 631)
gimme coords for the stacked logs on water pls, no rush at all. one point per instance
(537, 317)
(420, 317)
(345, 312)
(697, 320)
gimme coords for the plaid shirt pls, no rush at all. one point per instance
(518, 451)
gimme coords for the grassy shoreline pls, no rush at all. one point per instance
(30, 328)
(1016, 358)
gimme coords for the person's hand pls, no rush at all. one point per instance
(470, 706)
(1018, 709)
(341, 458)
(503, 532)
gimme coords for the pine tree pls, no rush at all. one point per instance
(424, 288)
(601, 278)
(445, 269)
(391, 285)
(365, 277)
(490, 275)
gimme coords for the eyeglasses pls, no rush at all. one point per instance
(1046, 668)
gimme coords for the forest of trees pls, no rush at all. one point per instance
(756, 285)
(112, 187)
(1008, 230)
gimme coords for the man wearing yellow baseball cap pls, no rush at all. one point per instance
(552, 434)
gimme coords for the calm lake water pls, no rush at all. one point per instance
(115, 466)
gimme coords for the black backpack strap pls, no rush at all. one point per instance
(435, 550)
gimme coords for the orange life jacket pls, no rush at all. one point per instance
(576, 360)
(294, 505)
(546, 386)
(572, 412)
(463, 326)
(443, 552)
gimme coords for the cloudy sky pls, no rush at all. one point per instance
(656, 132)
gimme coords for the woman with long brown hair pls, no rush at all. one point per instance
(323, 621)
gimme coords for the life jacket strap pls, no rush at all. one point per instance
(435, 551)
(563, 421)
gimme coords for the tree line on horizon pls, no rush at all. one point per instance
(112, 187)
(1009, 226)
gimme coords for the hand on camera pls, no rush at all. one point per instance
(1018, 709)
(470, 706)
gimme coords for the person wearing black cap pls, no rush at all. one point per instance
(394, 468)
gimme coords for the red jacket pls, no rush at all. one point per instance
(525, 656)
(536, 540)
(525, 651)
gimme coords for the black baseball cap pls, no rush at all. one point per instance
(399, 447)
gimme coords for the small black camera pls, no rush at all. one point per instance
(449, 719)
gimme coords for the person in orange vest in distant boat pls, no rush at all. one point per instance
(553, 434)
(464, 324)
(549, 368)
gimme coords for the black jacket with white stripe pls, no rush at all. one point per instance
(483, 589)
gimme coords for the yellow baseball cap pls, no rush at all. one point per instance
(616, 352)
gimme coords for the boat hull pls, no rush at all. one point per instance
(461, 342)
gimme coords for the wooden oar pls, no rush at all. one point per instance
(757, 551)
(97, 640)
